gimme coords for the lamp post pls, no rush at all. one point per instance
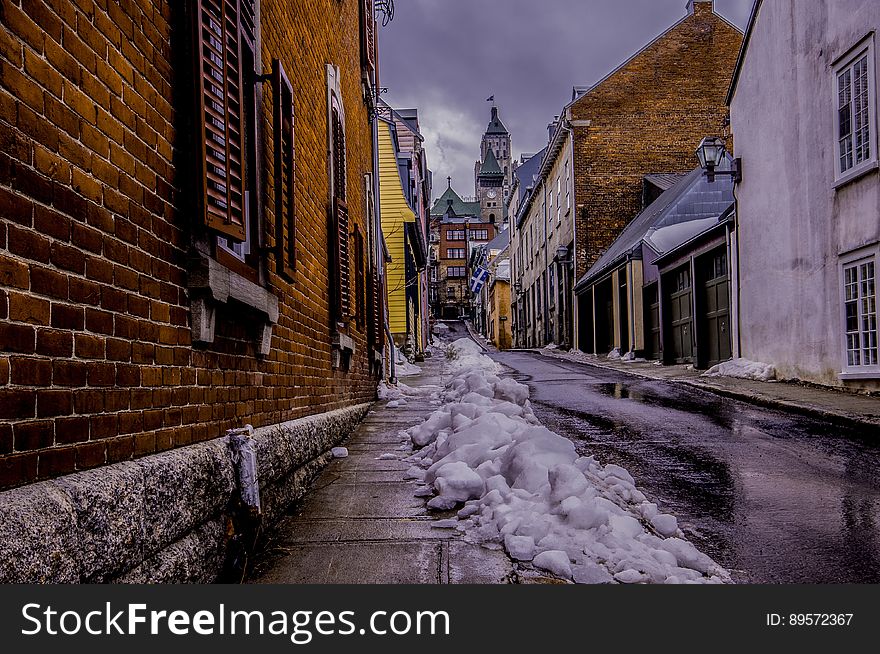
(711, 153)
(564, 266)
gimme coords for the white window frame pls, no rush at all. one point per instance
(850, 260)
(865, 48)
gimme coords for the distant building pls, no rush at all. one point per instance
(808, 211)
(499, 307)
(484, 263)
(460, 229)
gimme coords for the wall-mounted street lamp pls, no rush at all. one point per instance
(562, 256)
(517, 287)
(711, 153)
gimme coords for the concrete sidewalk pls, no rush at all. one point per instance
(361, 523)
(836, 406)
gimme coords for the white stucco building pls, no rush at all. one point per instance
(803, 108)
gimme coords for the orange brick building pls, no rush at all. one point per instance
(188, 236)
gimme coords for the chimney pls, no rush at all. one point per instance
(704, 5)
(494, 113)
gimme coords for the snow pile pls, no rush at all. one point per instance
(402, 366)
(614, 354)
(406, 369)
(524, 488)
(743, 369)
(551, 346)
(630, 357)
(441, 327)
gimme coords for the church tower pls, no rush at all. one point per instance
(494, 171)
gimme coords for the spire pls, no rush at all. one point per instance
(495, 124)
(448, 182)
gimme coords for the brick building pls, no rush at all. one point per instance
(461, 229)
(647, 116)
(189, 244)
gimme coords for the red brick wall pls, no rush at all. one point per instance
(648, 117)
(97, 363)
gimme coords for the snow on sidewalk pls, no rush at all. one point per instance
(743, 369)
(524, 488)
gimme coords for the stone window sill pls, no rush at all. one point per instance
(212, 284)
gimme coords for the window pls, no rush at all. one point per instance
(860, 311)
(455, 235)
(339, 233)
(480, 234)
(567, 186)
(558, 201)
(455, 253)
(455, 272)
(855, 112)
(285, 215)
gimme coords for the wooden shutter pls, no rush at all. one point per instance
(359, 279)
(341, 228)
(368, 36)
(343, 267)
(219, 29)
(285, 166)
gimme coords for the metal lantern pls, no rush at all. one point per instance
(710, 152)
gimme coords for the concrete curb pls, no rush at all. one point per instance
(835, 417)
(160, 518)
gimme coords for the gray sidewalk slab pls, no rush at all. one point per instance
(361, 522)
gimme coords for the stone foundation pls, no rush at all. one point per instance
(159, 519)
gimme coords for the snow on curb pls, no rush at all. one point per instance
(524, 488)
(743, 369)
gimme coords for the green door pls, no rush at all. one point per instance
(679, 345)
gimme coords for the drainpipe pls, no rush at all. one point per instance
(246, 515)
(739, 352)
(544, 276)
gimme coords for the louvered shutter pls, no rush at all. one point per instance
(368, 35)
(219, 28)
(341, 219)
(285, 165)
(343, 267)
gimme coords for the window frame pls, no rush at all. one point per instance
(854, 260)
(864, 48)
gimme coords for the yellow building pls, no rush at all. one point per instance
(405, 242)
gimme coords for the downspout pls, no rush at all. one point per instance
(570, 295)
(739, 352)
(544, 276)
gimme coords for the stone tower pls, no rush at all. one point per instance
(494, 171)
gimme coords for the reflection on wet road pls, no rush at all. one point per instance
(775, 497)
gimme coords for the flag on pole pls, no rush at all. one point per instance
(479, 279)
(491, 98)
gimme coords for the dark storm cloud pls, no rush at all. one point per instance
(445, 57)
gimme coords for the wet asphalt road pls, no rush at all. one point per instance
(774, 497)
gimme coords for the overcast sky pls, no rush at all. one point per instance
(445, 57)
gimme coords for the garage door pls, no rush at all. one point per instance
(677, 288)
(714, 306)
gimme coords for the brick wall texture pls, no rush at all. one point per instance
(97, 363)
(648, 117)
